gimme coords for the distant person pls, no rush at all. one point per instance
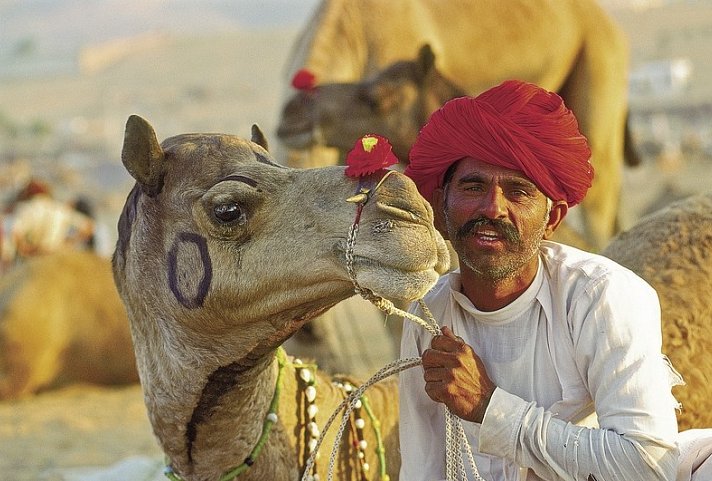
(35, 223)
(84, 206)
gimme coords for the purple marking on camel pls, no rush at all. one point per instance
(126, 220)
(196, 299)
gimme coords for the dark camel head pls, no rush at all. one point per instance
(396, 102)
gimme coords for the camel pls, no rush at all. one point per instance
(573, 48)
(212, 290)
(62, 322)
(395, 103)
(672, 250)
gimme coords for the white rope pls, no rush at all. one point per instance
(456, 440)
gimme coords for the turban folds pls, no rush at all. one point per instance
(516, 125)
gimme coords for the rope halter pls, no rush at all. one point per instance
(456, 439)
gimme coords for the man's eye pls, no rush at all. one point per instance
(516, 192)
(228, 213)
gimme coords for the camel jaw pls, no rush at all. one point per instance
(297, 139)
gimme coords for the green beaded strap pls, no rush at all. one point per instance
(270, 419)
(380, 450)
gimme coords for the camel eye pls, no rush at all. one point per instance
(228, 213)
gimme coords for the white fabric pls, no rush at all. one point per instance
(46, 224)
(695, 455)
(586, 332)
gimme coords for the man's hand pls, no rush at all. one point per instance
(454, 375)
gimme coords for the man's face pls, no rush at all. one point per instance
(495, 219)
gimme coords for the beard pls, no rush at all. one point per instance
(496, 266)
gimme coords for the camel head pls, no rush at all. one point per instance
(223, 254)
(395, 102)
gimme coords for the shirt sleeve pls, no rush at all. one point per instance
(617, 341)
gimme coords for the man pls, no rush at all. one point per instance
(536, 335)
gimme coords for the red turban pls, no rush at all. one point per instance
(516, 125)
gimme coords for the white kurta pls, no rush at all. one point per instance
(586, 333)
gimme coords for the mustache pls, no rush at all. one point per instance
(508, 231)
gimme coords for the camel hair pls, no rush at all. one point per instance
(573, 48)
(62, 322)
(672, 250)
(223, 254)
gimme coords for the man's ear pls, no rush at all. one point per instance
(439, 212)
(556, 215)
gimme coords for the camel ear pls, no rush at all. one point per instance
(426, 59)
(142, 155)
(259, 138)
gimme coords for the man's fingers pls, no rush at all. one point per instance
(435, 374)
(447, 341)
(448, 332)
(434, 357)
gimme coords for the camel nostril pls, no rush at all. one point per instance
(383, 226)
(403, 211)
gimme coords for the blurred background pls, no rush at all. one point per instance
(72, 71)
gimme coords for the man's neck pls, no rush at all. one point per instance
(491, 295)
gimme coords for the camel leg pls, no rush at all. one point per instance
(597, 93)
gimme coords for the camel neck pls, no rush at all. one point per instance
(270, 419)
(224, 409)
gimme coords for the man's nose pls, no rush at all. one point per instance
(494, 204)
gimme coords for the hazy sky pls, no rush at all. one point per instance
(58, 25)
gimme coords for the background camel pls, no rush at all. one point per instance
(672, 250)
(222, 255)
(395, 102)
(573, 48)
(62, 322)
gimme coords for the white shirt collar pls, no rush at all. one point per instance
(505, 314)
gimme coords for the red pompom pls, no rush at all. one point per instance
(369, 154)
(303, 80)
